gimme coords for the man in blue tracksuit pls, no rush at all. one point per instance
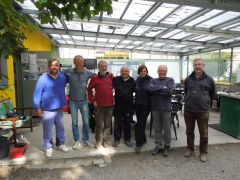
(161, 89)
(49, 100)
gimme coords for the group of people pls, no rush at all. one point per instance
(115, 96)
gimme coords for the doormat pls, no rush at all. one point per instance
(215, 126)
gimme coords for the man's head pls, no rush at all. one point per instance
(78, 62)
(162, 71)
(198, 66)
(124, 72)
(102, 66)
(53, 66)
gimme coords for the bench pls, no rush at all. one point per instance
(15, 118)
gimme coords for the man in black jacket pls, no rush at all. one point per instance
(199, 92)
(123, 109)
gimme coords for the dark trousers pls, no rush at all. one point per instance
(103, 116)
(125, 119)
(142, 113)
(202, 122)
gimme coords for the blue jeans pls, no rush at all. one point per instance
(84, 110)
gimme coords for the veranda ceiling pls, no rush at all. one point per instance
(178, 27)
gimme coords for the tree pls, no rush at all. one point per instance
(12, 24)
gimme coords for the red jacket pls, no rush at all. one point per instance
(103, 87)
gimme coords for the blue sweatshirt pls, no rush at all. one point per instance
(161, 90)
(49, 93)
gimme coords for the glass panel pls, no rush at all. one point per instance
(137, 9)
(154, 31)
(114, 40)
(140, 30)
(203, 17)
(235, 29)
(158, 44)
(230, 40)
(236, 66)
(181, 35)
(123, 30)
(175, 31)
(61, 41)
(118, 8)
(73, 25)
(126, 41)
(161, 12)
(230, 26)
(90, 27)
(180, 14)
(66, 37)
(102, 40)
(149, 44)
(120, 46)
(206, 38)
(77, 37)
(219, 19)
(137, 42)
(106, 29)
(90, 38)
(69, 42)
(129, 47)
(180, 46)
(57, 36)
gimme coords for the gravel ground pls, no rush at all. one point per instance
(224, 163)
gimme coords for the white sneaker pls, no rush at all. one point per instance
(76, 145)
(63, 148)
(48, 152)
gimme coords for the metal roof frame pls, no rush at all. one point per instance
(154, 31)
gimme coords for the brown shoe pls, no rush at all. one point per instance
(203, 157)
(188, 153)
(97, 146)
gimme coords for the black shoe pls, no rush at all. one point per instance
(138, 149)
(156, 151)
(115, 143)
(165, 152)
(128, 143)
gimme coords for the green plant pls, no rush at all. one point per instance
(50, 10)
(12, 23)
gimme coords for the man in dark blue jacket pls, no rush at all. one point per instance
(199, 92)
(161, 89)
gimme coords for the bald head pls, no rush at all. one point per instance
(124, 72)
(162, 71)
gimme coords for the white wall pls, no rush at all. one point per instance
(173, 69)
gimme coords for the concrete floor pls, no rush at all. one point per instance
(35, 155)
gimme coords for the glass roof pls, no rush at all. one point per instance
(219, 19)
(180, 14)
(146, 24)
